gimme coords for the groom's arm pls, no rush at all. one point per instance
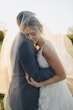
(29, 63)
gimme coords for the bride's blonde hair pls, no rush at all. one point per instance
(33, 22)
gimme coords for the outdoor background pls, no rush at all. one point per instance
(57, 15)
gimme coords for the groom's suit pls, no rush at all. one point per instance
(22, 95)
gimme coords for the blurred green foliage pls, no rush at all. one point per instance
(70, 33)
(0, 44)
(2, 35)
(1, 101)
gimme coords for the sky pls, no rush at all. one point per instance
(57, 15)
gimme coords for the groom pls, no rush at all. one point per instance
(28, 58)
(27, 62)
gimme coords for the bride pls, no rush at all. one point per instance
(54, 93)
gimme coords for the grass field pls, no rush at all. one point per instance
(1, 100)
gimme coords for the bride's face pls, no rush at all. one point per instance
(32, 34)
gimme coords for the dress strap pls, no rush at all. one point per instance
(43, 46)
(50, 46)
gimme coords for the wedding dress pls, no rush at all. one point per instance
(56, 96)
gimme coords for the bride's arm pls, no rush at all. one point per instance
(55, 63)
(53, 60)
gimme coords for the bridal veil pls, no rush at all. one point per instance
(57, 40)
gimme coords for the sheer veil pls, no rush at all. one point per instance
(5, 55)
(66, 59)
(5, 63)
(56, 40)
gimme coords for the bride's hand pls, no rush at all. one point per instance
(32, 82)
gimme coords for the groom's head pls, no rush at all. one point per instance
(23, 15)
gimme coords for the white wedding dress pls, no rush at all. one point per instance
(55, 96)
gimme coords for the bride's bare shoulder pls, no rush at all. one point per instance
(50, 45)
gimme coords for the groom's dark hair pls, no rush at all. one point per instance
(21, 14)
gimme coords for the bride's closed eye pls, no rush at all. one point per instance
(30, 34)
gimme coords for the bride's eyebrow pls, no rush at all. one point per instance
(30, 33)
